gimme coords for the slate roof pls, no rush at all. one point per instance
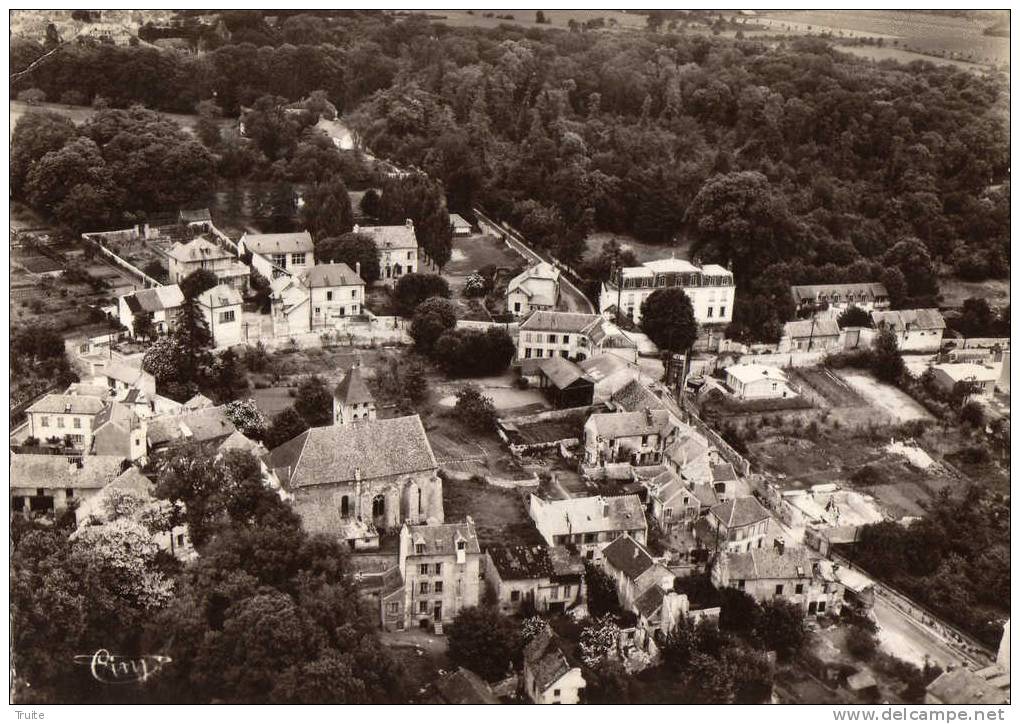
(220, 295)
(739, 512)
(602, 366)
(628, 556)
(769, 564)
(634, 396)
(811, 328)
(671, 491)
(331, 275)
(399, 236)
(810, 292)
(203, 425)
(352, 389)
(547, 321)
(688, 447)
(988, 686)
(198, 249)
(546, 659)
(748, 373)
(612, 425)
(53, 472)
(519, 563)
(155, 299)
(563, 373)
(117, 414)
(723, 473)
(705, 494)
(268, 244)
(898, 320)
(237, 441)
(462, 687)
(650, 601)
(68, 405)
(442, 537)
(333, 454)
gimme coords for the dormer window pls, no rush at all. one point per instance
(419, 548)
(461, 545)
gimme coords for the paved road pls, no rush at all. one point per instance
(903, 637)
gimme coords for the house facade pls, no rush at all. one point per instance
(534, 578)
(442, 567)
(159, 304)
(672, 505)
(916, 330)
(65, 417)
(638, 438)
(537, 287)
(758, 382)
(573, 335)
(199, 253)
(223, 309)
(979, 380)
(276, 255)
(549, 676)
(318, 298)
(810, 335)
(831, 300)
(44, 485)
(710, 288)
(398, 249)
(375, 475)
(741, 524)
(589, 524)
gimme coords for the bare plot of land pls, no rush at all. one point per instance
(896, 403)
(501, 516)
(824, 388)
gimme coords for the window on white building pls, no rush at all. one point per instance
(227, 316)
(280, 260)
(297, 259)
(329, 296)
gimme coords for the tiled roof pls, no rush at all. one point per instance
(988, 686)
(443, 537)
(768, 563)
(155, 299)
(723, 472)
(612, 425)
(634, 396)
(628, 556)
(650, 601)
(238, 441)
(811, 328)
(265, 244)
(400, 236)
(810, 292)
(747, 373)
(220, 295)
(595, 513)
(546, 660)
(352, 389)
(373, 449)
(705, 494)
(331, 275)
(898, 320)
(54, 471)
(68, 405)
(117, 414)
(193, 426)
(463, 687)
(562, 372)
(739, 512)
(603, 366)
(688, 447)
(546, 321)
(198, 249)
(122, 372)
(518, 563)
(542, 270)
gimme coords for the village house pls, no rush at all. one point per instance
(316, 299)
(397, 247)
(690, 456)
(44, 485)
(199, 253)
(159, 304)
(638, 438)
(550, 677)
(573, 335)
(916, 330)
(222, 308)
(830, 300)
(984, 687)
(206, 426)
(565, 384)
(352, 481)
(63, 417)
(442, 568)
(460, 686)
(672, 505)
(276, 255)
(710, 288)
(734, 525)
(537, 287)
(783, 572)
(610, 374)
(810, 335)
(460, 225)
(978, 380)
(352, 400)
(525, 579)
(119, 431)
(120, 378)
(589, 524)
(645, 588)
(758, 382)
(176, 541)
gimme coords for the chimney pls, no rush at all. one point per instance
(780, 545)
(357, 268)
(605, 510)
(356, 228)
(648, 416)
(357, 474)
(636, 552)
(409, 223)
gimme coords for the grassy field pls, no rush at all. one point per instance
(526, 18)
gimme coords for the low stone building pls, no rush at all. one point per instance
(377, 473)
(537, 287)
(978, 380)
(536, 578)
(638, 438)
(550, 677)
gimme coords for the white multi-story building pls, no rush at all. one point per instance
(397, 247)
(276, 255)
(572, 335)
(317, 298)
(222, 308)
(710, 288)
(201, 253)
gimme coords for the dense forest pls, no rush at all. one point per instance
(789, 161)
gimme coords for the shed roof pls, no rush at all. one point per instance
(628, 556)
(769, 564)
(748, 373)
(68, 405)
(563, 373)
(548, 321)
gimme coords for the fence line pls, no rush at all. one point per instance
(127, 266)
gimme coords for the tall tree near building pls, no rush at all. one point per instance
(352, 249)
(198, 281)
(667, 317)
(423, 201)
(326, 211)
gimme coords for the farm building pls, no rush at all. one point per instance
(916, 330)
(981, 379)
(460, 225)
(565, 383)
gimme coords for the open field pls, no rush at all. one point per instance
(526, 18)
(924, 32)
(900, 55)
(892, 401)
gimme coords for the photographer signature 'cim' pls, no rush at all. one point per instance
(110, 668)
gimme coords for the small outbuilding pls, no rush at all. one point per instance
(566, 384)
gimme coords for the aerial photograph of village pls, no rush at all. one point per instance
(509, 357)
